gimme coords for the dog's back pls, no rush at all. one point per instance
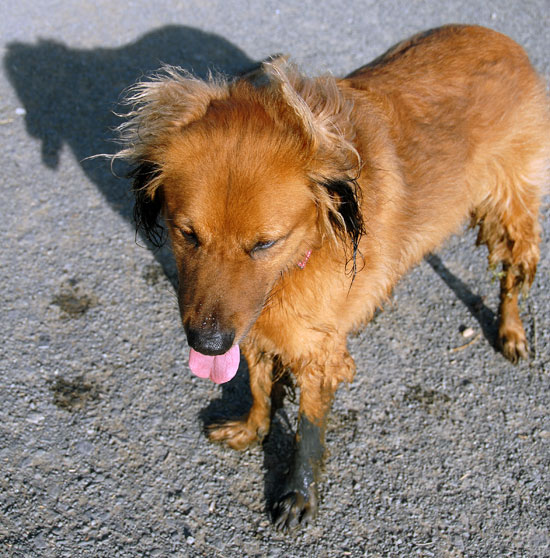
(466, 121)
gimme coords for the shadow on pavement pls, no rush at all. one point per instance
(486, 318)
(70, 95)
(278, 445)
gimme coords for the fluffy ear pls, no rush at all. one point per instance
(159, 107)
(325, 115)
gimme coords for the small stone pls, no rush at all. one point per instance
(468, 332)
(35, 418)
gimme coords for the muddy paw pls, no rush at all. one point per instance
(513, 345)
(294, 509)
(237, 434)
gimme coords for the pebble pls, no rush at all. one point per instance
(468, 332)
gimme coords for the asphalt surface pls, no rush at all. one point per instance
(439, 448)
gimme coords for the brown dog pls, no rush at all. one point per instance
(294, 205)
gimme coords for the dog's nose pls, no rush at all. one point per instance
(210, 342)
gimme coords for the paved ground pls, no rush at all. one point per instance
(439, 448)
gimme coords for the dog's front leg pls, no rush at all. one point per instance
(239, 434)
(299, 499)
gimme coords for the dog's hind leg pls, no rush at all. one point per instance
(239, 434)
(509, 227)
(298, 502)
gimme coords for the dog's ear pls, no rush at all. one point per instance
(325, 116)
(339, 213)
(159, 107)
(148, 202)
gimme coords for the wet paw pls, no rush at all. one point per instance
(513, 345)
(238, 434)
(294, 510)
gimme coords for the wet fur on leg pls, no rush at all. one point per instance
(365, 174)
(299, 498)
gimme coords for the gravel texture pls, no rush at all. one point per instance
(439, 448)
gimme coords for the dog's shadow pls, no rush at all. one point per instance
(487, 319)
(278, 446)
(70, 97)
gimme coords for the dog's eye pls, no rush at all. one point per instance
(262, 245)
(190, 237)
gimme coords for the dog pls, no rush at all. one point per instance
(295, 204)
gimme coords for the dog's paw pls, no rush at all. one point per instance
(513, 344)
(294, 509)
(238, 434)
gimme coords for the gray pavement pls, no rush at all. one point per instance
(439, 448)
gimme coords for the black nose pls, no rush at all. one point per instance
(210, 342)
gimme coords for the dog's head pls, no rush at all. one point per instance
(248, 179)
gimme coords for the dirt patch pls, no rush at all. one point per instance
(72, 394)
(72, 302)
(429, 399)
(152, 274)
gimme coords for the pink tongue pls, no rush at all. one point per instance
(219, 368)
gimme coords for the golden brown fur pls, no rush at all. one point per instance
(448, 126)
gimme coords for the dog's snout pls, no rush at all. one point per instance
(210, 342)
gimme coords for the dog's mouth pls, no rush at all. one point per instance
(219, 368)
